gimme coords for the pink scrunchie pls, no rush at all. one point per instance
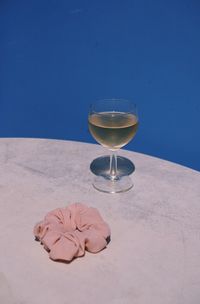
(67, 232)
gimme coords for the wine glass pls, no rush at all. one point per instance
(113, 123)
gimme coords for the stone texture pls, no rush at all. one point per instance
(154, 254)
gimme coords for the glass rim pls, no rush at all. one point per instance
(128, 101)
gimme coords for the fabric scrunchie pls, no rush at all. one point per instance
(67, 232)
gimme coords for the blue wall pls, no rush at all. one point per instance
(58, 56)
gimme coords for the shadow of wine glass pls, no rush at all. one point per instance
(101, 166)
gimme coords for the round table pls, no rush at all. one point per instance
(154, 253)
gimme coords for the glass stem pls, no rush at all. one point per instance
(113, 165)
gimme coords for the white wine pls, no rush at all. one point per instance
(113, 129)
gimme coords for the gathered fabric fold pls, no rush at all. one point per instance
(67, 232)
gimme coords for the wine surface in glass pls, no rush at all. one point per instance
(113, 130)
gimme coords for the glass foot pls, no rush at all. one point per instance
(122, 184)
(101, 166)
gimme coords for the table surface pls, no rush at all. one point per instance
(154, 253)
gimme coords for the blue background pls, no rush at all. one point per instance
(56, 57)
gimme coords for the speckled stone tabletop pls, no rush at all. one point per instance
(154, 253)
